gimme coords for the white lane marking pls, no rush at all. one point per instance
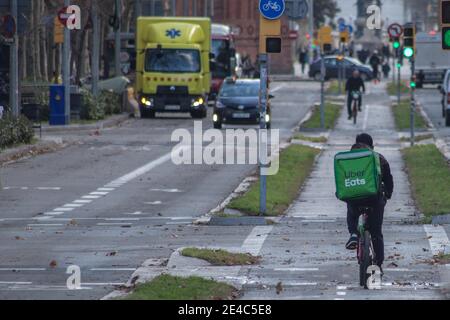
(122, 219)
(278, 88)
(295, 269)
(97, 193)
(155, 203)
(113, 269)
(23, 269)
(400, 270)
(437, 237)
(31, 188)
(340, 288)
(48, 188)
(15, 282)
(366, 117)
(177, 223)
(64, 209)
(137, 213)
(254, 242)
(106, 189)
(113, 224)
(45, 225)
(166, 190)
(319, 221)
(74, 205)
(342, 293)
(53, 213)
(91, 197)
(144, 169)
(82, 201)
(338, 299)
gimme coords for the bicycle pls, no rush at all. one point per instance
(368, 270)
(356, 95)
(272, 5)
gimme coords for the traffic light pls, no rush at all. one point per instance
(446, 38)
(396, 43)
(273, 45)
(413, 83)
(409, 40)
(344, 36)
(445, 24)
(325, 39)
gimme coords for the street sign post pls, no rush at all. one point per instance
(297, 9)
(395, 30)
(269, 34)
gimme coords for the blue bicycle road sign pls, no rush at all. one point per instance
(272, 9)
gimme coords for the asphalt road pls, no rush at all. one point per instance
(112, 200)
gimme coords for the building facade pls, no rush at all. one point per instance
(241, 15)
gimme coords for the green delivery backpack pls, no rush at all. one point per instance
(358, 175)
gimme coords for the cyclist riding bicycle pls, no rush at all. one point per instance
(365, 141)
(355, 83)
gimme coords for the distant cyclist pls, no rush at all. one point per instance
(355, 83)
(365, 141)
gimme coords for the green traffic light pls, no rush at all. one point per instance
(399, 65)
(408, 52)
(447, 38)
(412, 84)
(396, 45)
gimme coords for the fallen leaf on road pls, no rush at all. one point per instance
(53, 264)
(174, 235)
(73, 222)
(286, 239)
(19, 238)
(111, 254)
(425, 250)
(279, 287)
(393, 265)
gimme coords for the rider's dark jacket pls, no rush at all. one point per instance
(387, 179)
(355, 84)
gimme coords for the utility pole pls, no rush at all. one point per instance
(413, 101)
(311, 28)
(264, 72)
(14, 67)
(66, 70)
(186, 8)
(322, 89)
(117, 44)
(96, 49)
(174, 8)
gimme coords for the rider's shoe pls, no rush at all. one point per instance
(350, 117)
(352, 244)
(360, 109)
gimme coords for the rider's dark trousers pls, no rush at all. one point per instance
(350, 102)
(375, 226)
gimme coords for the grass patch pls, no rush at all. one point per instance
(332, 113)
(296, 163)
(166, 287)
(429, 174)
(402, 116)
(333, 89)
(300, 136)
(392, 88)
(418, 138)
(221, 257)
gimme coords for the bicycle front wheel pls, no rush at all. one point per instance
(366, 260)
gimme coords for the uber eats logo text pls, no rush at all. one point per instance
(354, 178)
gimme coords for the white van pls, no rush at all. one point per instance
(445, 91)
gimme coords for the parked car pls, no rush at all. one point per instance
(332, 65)
(445, 91)
(238, 103)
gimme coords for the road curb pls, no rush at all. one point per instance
(114, 121)
(28, 151)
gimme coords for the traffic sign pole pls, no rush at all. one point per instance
(66, 70)
(413, 103)
(14, 72)
(322, 89)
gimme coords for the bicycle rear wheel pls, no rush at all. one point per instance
(366, 260)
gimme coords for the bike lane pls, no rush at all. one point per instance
(304, 257)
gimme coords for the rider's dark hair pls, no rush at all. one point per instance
(365, 139)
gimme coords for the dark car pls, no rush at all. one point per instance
(238, 103)
(332, 65)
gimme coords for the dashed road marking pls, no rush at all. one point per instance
(23, 269)
(437, 238)
(295, 269)
(113, 269)
(254, 242)
(166, 190)
(45, 225)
